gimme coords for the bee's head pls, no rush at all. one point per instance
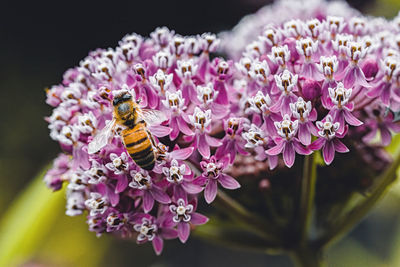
(121, 96)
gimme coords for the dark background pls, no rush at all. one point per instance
(39, 41)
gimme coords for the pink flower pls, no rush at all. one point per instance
(142, 181)
(305, 114)
(213, 174)
(287, 143)
(342, 108)
(328, 140)
(232, 143)
(153, 230)
(201, 120)
(184, 216)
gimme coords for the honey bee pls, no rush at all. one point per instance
(133, 121)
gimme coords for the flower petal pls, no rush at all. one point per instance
(273, 151)
(304, 134)
(159, 130)
(228, 182)
(300, 149)
(317, 144)
(183, 127)
(328, 152)
(148, 201)
(212, 141)
(175, 130)
(121, 184)
(211, 191)
(191, 188)
(386, 136)
(339, 146)
(169, 233)
(179, 192)
(289, 154)
(198, 219)
(203, 147)
(160, 195)
(158, 244)
(182, 154)
(351, 119)
(183, 231)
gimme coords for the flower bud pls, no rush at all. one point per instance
(311, 89)
(370, 68)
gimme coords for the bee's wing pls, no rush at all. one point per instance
(152, 116)
(102, 138)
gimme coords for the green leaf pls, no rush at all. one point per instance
(36, 229)
(27, 221)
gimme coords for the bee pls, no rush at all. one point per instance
(133, 121)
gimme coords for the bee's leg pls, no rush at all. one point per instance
(152, 139)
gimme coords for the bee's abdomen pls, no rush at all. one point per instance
(139, 146)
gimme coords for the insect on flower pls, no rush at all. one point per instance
(133, 120)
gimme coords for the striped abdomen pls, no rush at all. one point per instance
(138, 143)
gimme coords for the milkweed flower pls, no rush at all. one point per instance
(328, 140)
(307, 81)
(212, 175)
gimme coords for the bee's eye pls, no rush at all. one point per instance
(116, 101)
(127, 96)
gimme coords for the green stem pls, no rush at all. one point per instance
(234, 209)
(255, 224)
(307, 257)
(307, 196)
(355, 215)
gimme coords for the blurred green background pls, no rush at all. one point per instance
(39, 42)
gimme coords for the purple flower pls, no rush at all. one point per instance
(141, 180)
(119, 164)
(280, 55)
(353, 74)
(384, 122)
(307, 47)
(201, 120)
(304, 64)
(176, 106)
(115, 221)
(97, 204)
(213, 174)
(184, 215)
(342, 108)
(286, 83)
(287, 143)
(262, 104)
(164, 157)
(383, 85)
(206, 97)
(256, 139)
(153, 230)
(305, 114)
(328, 66)
(186, 70)
(161, 81)
(232, 143)
(328, 140)
(54, 177)
(181, 178)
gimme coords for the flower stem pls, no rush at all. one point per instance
(255, 224)
(355, 215)
(306, 256)
(307, 196)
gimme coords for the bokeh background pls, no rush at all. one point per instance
(38, 42)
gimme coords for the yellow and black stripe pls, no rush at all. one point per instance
(139, 146)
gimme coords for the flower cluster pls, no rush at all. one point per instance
(166, 72)
(317, 84)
